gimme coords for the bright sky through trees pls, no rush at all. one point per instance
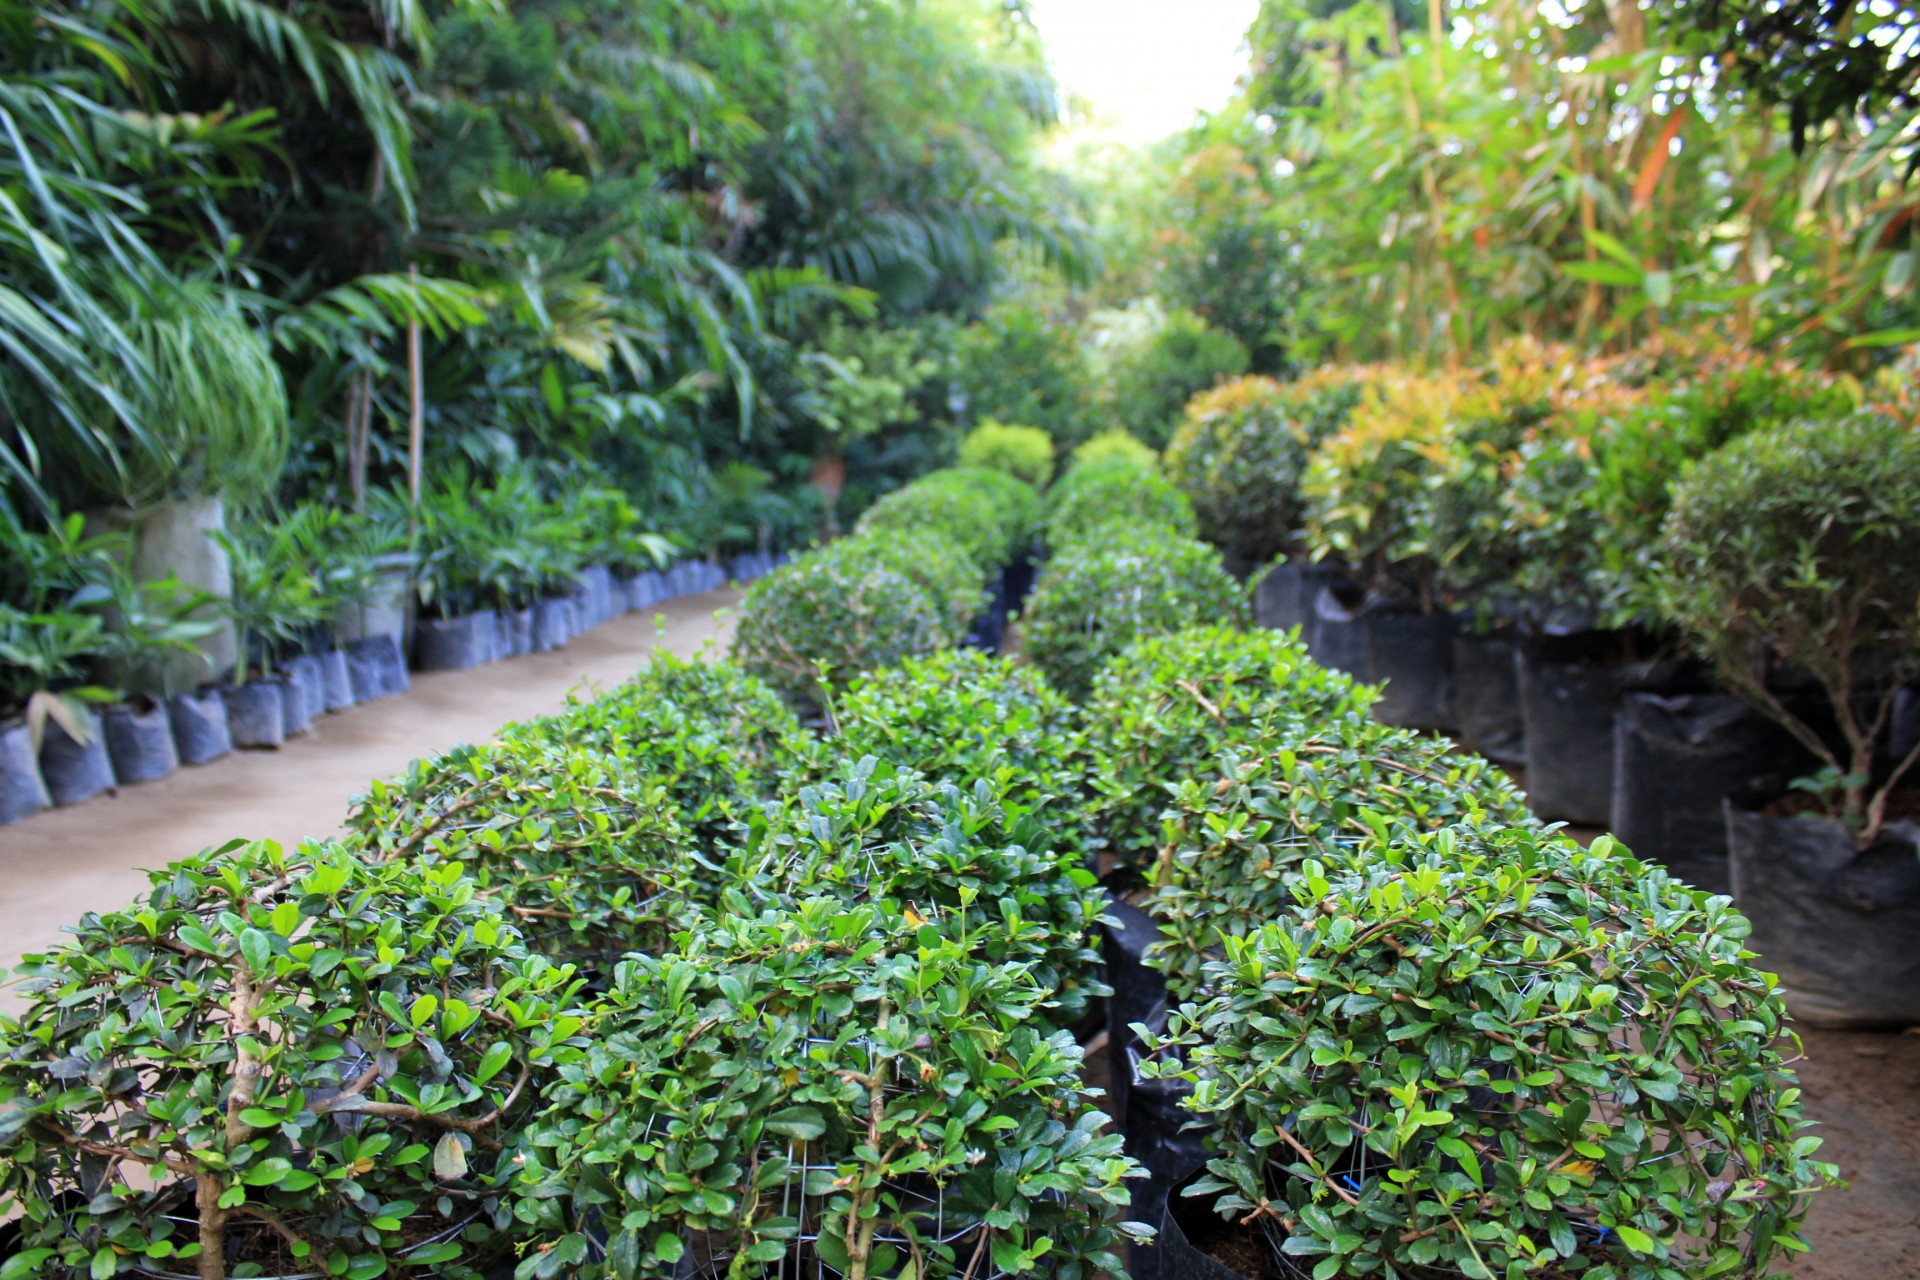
(1144, 67)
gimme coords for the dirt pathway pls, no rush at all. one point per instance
(58, 865)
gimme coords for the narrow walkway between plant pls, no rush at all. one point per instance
(56, 866)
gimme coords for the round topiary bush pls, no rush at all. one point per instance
(1116, 442)
(277, 1063)
(1240, 451)
(967, 515)
(1492, 1054)
(1024, 453)
(588, 862)
(1019, 502)
(1234, 837)
(829, 1091)
(997, 873)
(1099, 497)
(1099, 596)
(961, 716)
(852, 607)
(1167, 706)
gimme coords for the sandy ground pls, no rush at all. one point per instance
(56, 866)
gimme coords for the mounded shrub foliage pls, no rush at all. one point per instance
(278, 1062)
(1099, 596)
(1497, 1053)
(1023, 453)
(1096, 498)
(970, 516)
(834, 1085)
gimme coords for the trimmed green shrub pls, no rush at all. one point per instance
(1019, 502)
(586, 859)
(1240, 451)
(1025, 453)
(1236, 835)
(968, 516)
(859, 605)
(828, 1086)
(1496, 1054)
(961, 716)
(1166, 707)
(321, 1060)
(1180, 358)
(1099, 596)
(1803, 544)
(1093, 499)
(1115, 442)
(993, 871)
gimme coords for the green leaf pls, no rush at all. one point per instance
(1635, 1239)
(805, 1123)
(493, 1061)
(105, 1262)
(257, 951)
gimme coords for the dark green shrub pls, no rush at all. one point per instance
(321, 1060)
(1098, 497)
(1099, 596)
(1239, 452)
(1499, 1054)
(831, 1086)
(968, 516)
(961, 716)
(853, 607)
(1024, 453)
(993, 871)
(1235, 836)
(586, 859)
(1181, 359)
(1166, 707)
(1802, 544)
(1019, 502)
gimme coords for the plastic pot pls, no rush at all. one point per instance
(22, 790)
(552, 624)
(454, 644)
(518, 631)
(989, 629)
(1016, 580)
(140, 741)
(385, 609)
(1338, 640)
(199, 722)
(644, 590)
(1483, 696)
(295, 698)
(1284, 596)
(1180, 1258)
(336, 679)
(308, 675)
(1138, 990)
(377, 668)
(256, 713)
(1568, 692)
(597, 581)
(1840, 925)
(1677, 760)
(1413, 653)
(75, 771)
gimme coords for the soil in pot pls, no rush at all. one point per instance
(1413, 653)
(75, 771)
(454, 644)
(257, 713)
(199, 720)
(1839, 924)
(140, 740)
(1195, 1243)
(377, 668)
(22, 790)
(552, 624)
(1483, 696)
(336, 680)
(1338, 637)
(1678, 759)
(1569, 686)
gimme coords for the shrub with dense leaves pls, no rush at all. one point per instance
(1018, 501)
(588, 861)
(855, 606)
(1115, 443)
(1098, 596)
(1232, 844)
(1165, 709)
(1494, 1054)
(1803, 544)
(278, 1062)
(961, 716)
(1239, 453)
(996, 873)
(831, 1086)
(967, 515)
(1096, 499)
(1024, 453)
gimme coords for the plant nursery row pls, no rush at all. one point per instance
(117, 674)
(785, 965)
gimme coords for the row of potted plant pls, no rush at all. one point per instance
(1529, 555)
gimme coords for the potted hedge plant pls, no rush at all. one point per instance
(151, 623)
(1799, 547)
(44, 659)
(278, 1062)
(1490, 1053)
(833, 1087)
(1113, 491)
(465, 557)
(274, 601)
